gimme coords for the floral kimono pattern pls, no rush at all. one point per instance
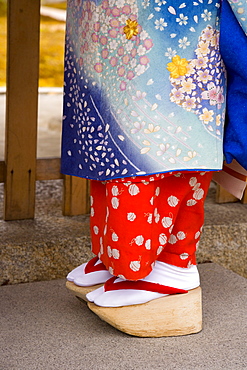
(144, 88)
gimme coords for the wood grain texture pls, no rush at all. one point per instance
(76, 196)
(173, 315)
(80, 291)
(21, 108)
(223, 196)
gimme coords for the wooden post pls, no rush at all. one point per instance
(223, 196)
(76, 196)
(21, 108)
(244, 199)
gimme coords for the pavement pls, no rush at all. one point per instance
(43, 326)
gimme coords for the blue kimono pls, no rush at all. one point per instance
(145, 87)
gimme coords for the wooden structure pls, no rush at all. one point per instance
(20, 168)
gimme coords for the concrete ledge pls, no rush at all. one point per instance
(44, 327)
(51, 245)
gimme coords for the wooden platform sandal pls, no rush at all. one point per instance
(178, 313)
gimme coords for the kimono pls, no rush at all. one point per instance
(145, 87)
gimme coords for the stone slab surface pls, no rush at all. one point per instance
(43, 326)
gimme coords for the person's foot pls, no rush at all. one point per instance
(91, 273)
(160, 282)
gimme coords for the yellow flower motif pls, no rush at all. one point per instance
(207, 116)
(218, 120)
(178, 66)
(131, 29)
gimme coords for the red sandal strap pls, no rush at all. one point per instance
(141, 285)
(92, 267)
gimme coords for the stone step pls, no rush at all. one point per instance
(43, 326)
(51, 245)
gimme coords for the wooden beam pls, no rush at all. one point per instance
(244, 199)
(21, 108)
(48, 169)
(2, 171)
(76, 196)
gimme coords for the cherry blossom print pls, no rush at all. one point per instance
(120, 20)
(198, 90)
(119, 119)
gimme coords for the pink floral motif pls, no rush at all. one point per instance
(115, 12)
(133, 52)
(103, 40)
(96, 27)
(95, 37)
(104, 53)
(144, 60)
(105, 4)
(148, 43)
(200, 90)
(103, 45)
(126, 9)
(114, 23)
(113, 33)
(121, 71)
(123, 85)
(98, 67)
(126, 59)
(130, 75)
(121, 51)
(114, 61)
